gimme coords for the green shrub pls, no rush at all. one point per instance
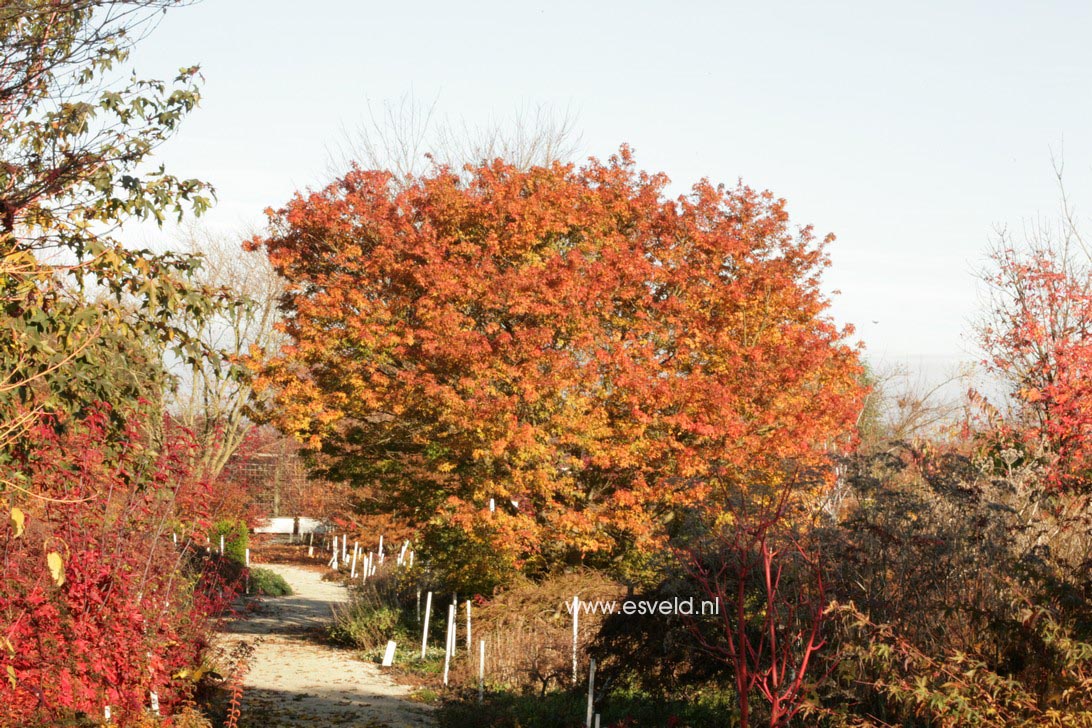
(236, 538)
(269, 583)
(365, 621)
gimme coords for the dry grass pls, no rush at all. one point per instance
(528, 632)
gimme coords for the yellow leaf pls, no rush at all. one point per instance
(56, 567)
(11, 676)
(18, 521)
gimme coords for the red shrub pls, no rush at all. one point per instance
(128, 609)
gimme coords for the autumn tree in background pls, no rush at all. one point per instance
(570, 344)
(214, 392)
(1036, 333)
(408, 137)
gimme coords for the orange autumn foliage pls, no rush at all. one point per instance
(570, 342)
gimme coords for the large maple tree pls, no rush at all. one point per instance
(569, 343)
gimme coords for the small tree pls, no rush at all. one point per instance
(770, 590)
(1037, 333)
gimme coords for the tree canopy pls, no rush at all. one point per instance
(569, 344)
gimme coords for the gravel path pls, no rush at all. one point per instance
(294, 680)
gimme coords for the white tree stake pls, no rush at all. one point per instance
(450, 639)
(424, 632)
(481, 671)
(388, 656)
(248, 557)
(469, 644)
(591, 694)
(352, 569)
(154, 700)
(576, 623)
(221, 544)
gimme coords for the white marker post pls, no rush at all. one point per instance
(411, 559)
(492, 505)
(591, 695)
(469, 644)
(424, 632)
(153, 699)
(388, 656)
(248, 557)
(221, 544)
(106, 713)
(576, 623)
(481, 671)
(450, 639)
(352, 569)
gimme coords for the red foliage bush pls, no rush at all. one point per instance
(128, 609)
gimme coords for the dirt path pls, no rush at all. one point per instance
(295, 680)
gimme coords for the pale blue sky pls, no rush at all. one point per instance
(910, 130)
